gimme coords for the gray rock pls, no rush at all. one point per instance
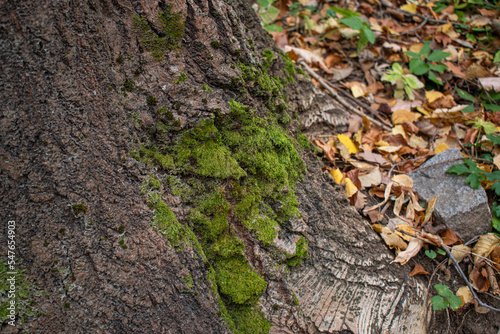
(458, 206)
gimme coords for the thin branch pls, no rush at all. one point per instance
(416, 28)
(339, 98)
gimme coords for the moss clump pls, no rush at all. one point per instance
(215, 44)
(149, 156)
(268, 54)
(151, 100)
(211, 216)
(205, 88)
(250, 320)
(167, 38)
(303, 141)
(237, 280)
(128, 85)
(289, 68)
(203, 144)
(301, 253)
(79, 208)
(181, 78)
(226, 246)
(188, 280)
(120, 229)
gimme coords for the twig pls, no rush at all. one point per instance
(416, 28)
(402, 163)
(471, 288)
(339, 98)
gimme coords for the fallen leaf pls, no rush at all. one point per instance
(465, 294)
(348, 143)
(337, 175)
(373, 178)
(344, 151)
(433, 95)
(416, 141)
(309, 57)
(350, 188)
(418, 270)
(398, 204)
(440, 148)
(413, 248)
(430, 210)
(449, 237)
(406, 228)
(392, 239)
(479, 277)
(484, 246)
(495, 257)
(459, 252)
(373, 157)
(375, 216)
(491, 83)
(389, 149)
(400, 116)
(403, 180)
(327, 150)
(360, 200)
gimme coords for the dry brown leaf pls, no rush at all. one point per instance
(360, 200)
(418, 270)
(375, 216)
(484, 246)
(416, 141)
(309, 57)
(459, 252)
(495, 257)
(327, 149)
(392, 239)
(430, 210)
(387, 193)
(449, 237)
(413, 248)
(400, 116)
(373, 157)
(389, 149)
(373, 178)
(403, 180)
(479, 277)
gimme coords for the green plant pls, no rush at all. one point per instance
(404, 82)
(445, 299)
(354, 21)
(267, 14)
(423, 62)
(181, 78)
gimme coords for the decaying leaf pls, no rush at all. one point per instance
(414, 247)
(392, 239)
(484, 246)
(429, 211)
(371, 179)
(491, 83)
(327, 149)
(375, 216)
(348, 143)
(495, 257)
(449, 237)
(479, 277)
(387, 193)
(309, 57)
(418, 270)
(464, 293)
(403, 180)
(459, 252)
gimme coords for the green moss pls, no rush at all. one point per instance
(203, 144)
(300, 254)
(181, 78)
(210, 218)
(79, 208)
(167, 38)
(238, 281)
(151, 100)
(289, 68)
(215, 44)
(226, 246)
(205, 88)
(264, 228)
(119, 59)
(188, 280)
(268, 54)
(16, 287)
(250, 320)
(121, 229)
(153, 157)
(303, 141)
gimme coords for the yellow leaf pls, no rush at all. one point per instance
(440, 148)
(337, 175)
(382, 143)
(348, 143)
(400, 116)
(409, 7)
(350, 188)
(430, 210)
(357, 91)
(407, 228)
(448, 30)
(484, 246)
(392, 239)
(416, 141)
(403, 180)
(496, 161)
(371, 179)
(433, 95)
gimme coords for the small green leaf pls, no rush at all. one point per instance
(496, 188)
(418, 66)
(412, 81)
(495, 223)
(492, 177)
(430, 254)
(495, 138)
(458, 169)
(273, 27)
(432, 77)
(370, 35)
(441, 251)
(438, 55)
(438, 68)
(497, 57)
(397, 68)
(466, 96)
(469, 108)
(455, 302)
(352, 22)
(439, 303)
(474, 180)
(491, 107)
(413, 54)
(345, 12)
(443, 290)
(426, 49)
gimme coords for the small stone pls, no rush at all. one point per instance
(461, 208)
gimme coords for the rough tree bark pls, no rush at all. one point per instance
(82, 85)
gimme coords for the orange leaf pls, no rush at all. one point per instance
(418, 270)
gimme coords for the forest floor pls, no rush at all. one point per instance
(424, 77)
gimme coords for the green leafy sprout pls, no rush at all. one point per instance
(425, 62)
(445, 298)
(404, 82)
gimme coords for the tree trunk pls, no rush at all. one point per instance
(146, 202)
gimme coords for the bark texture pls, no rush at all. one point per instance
(77, 82)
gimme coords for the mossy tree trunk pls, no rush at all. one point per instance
(153, 162)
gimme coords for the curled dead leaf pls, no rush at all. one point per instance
(484, 246)
(459, 252)
(414, 247)
(418, 270)
(479, 277)
(465, 294)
